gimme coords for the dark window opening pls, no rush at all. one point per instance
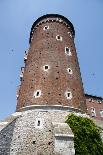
(58, 37)
(37, 94)
(69, 70)
(38, 123)
(49, 143)
(46, 27)
(68, 94)
(33, 142)
(46, 67)
(67, 49)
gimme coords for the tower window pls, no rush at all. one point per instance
(34, 142)
(67, 51)
(70, 34)
(68, 95)
(93, 112)
(37, 93)
(38, 124)
(25, 56)
(101, 113)
(70, 71)
(46, 68)
(91, 100)
(49, 143)
(59, 38)
(99, 101)
(46, 28)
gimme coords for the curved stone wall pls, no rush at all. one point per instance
(38, 132)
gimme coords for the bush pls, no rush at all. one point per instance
(87, 140)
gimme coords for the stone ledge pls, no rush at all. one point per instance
(64, 135)
(50, 107)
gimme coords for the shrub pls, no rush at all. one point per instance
(87, 140)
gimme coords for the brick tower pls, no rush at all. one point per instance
(51, 76)
(51, 88)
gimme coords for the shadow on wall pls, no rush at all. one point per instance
(6, 135)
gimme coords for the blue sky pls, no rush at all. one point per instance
(17, 18)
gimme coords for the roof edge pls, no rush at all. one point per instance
(52, 15)
(93, 96)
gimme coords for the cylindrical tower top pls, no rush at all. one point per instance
(51, 76)
(49, 18)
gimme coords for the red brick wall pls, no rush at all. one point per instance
(46, 50)
(92, 102)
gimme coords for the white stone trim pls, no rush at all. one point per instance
(17, 114)
(50, 108)
(64, 135)
(3, 123)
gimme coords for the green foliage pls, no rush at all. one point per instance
(87, 140)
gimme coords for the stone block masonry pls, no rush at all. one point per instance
(37, 132)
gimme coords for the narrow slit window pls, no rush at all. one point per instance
(37, 93)
(38, 124)
(68, 95)
(68, 51)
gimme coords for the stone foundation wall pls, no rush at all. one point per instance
(37, 132)
(40, 131)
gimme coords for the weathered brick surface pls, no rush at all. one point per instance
(46, 50)
(94, 102)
